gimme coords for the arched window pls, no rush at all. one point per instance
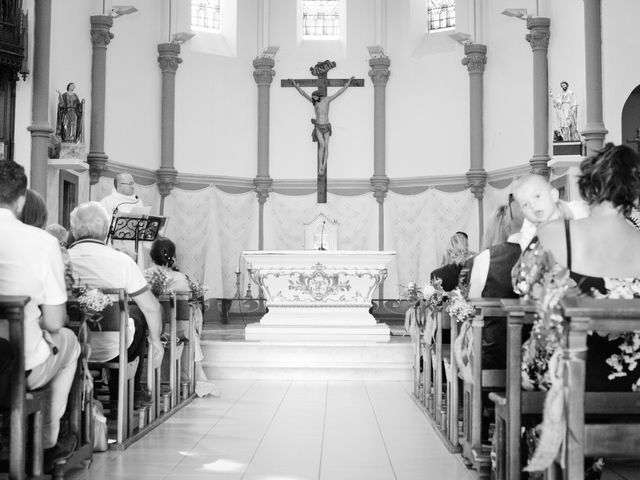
(205, 14)
(441, 15)
(320, 18)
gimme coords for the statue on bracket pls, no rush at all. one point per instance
(70, 116)
(566, 108)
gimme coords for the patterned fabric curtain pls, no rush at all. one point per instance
(212, 227)
(418, 227)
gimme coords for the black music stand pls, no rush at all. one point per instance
(135, 227)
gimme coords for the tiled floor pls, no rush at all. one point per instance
(279, 430)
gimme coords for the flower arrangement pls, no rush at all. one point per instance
(158, 281)
(411, 292)
(459, 307)
(198, 289)
(537, 276)
(92, 301)
(433, 295)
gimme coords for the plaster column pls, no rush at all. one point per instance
(475, 59)
(263, 75)
(594, 131)
(379, 74)
(168, 58)
(40, 128)
(100, 38)
(538, 38)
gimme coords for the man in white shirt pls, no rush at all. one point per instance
(95, 264)
(122, 197)
(31, 264)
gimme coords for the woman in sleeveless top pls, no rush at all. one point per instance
(601, 254)
(163, 255)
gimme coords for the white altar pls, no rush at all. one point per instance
(318, 294)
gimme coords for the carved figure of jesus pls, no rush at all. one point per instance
(321, 127)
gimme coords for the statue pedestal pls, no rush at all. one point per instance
(567, 148)
(73, 156)
(73, 150)
(312, 294)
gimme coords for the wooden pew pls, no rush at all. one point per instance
(411, 318)
(482, 380)
(453, 391)
(186, 327)
(431, 357)
(426, 380)
(172, 350)
(79, 407)
(23, 404)
(583, 314)
(441, 354)
(115, 318)
(516, 403)
(445, 380)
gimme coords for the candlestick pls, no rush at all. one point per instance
(238, 292)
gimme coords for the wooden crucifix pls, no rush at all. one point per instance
(320, 100)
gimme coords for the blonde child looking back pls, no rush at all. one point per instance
(540, 202)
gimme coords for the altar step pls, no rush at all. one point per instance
(310, 360)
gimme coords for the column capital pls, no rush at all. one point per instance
(264, 72)
(380, 187)
(539, 34)
(540, 165)
(42, 130)
(594, 135)
(100, 30)
(97, 165)
(263, 187)
(379, 72)
(168, 57)
(475, 57)
(166, 180)
(477, 180)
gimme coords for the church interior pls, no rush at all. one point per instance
(218, 112)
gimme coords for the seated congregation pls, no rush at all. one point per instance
(540, 375)
(94, 352)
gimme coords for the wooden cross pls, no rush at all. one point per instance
(321, 83)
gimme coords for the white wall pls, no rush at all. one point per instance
(427, 93)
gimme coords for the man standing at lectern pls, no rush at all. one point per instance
(122, 196)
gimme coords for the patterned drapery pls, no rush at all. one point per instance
(212, 227)
(418, 227)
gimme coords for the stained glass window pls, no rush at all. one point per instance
(205, 14)
(320, 18)
(442, 14)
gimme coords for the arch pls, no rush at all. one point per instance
(631, 119)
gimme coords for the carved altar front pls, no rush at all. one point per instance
(318, 293)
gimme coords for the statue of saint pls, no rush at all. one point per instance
(70, 111)
(321, 127)
(566, 109)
